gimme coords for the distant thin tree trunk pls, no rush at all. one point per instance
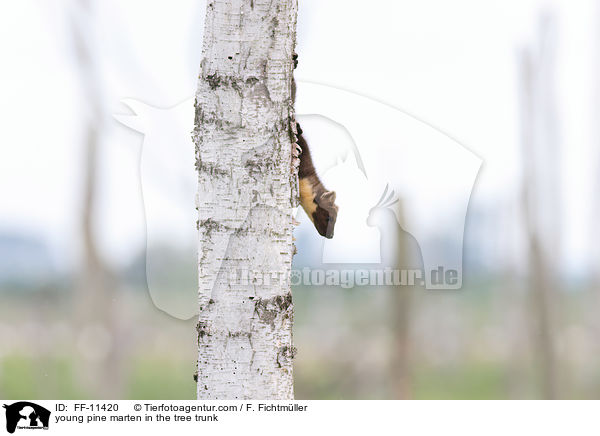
(595, 215)
(95, 311)
(244, 135)
(402, 369)
(401, 307)
(540, 178)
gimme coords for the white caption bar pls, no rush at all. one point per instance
(285, 418)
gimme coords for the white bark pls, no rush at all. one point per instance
(244, 135)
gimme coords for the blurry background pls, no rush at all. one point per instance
(516, 83)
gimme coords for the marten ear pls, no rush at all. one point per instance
(328, 197)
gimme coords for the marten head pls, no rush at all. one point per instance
(325, 214)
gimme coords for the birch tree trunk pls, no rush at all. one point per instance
(244, 135)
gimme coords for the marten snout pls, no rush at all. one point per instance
(325, 215)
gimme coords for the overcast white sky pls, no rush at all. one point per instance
(451, 64)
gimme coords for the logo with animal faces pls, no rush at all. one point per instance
(24, 415)
(395, 177)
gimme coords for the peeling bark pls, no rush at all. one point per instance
(244, 135)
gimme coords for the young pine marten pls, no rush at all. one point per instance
(316, 200)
